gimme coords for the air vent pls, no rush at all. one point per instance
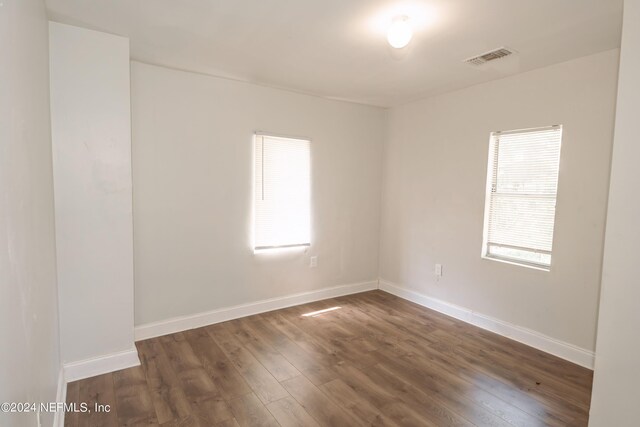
(489, 56)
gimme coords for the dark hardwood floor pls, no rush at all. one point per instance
(374, 360)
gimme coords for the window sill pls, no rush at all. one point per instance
(518, 263)
(285, 248)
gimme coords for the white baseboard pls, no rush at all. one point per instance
(570, 352)
(183, 323)
(61, 396)
(100, 365)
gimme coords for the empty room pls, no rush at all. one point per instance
(230, 213)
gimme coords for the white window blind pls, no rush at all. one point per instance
(282, 192)
(521, 195)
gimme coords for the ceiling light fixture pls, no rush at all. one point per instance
(400, 32)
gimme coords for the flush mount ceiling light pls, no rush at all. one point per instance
(400, 32)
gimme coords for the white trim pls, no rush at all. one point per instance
(281, 135)
(61, 396)
(183, 323)
(100, 365)
(564, 350)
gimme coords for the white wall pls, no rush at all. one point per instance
(28, 304)
(192, 180)
(90, 115)
(617, 374)
(435, 165)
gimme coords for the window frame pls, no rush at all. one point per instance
(492, 180)
(268, 249)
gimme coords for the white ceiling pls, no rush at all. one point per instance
(338, 48)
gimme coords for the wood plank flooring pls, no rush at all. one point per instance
(373, 360)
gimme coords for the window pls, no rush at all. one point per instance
(520, 207)
(282, 192)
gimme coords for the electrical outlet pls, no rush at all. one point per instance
(438, 270)
(313, 261)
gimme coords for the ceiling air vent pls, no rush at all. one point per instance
(489, 56)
